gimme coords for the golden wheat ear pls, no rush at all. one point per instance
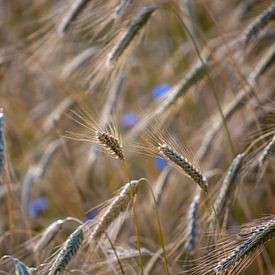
(117, 205)
(158, 142)
(259, 24)
(260, 149)
(254, 238)
(267, 152)
(69, 250)
(227, 190)
(111, 143)
(183, 163)
(238, 250)
(111, 140)
(20, 267)
(71, 15)
(138, 23)
(106, 137)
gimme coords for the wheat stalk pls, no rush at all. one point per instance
(112, 100)
(263, 64)
(48, 235)
(108, 113)
(54, 117)
(71, 15)
(227, 189)
(50, 232)
(193, 222)
(192, 77)
(118, 205)
(36, 172)
(189, 239)
(139, 21)
(257, 237)
(111, 143)
(123, 6)
(268, 150)
(20, 267)
(180, 161)
(190, 19)
(69, 250)
(105, 135)
(239, 101)
(127, 253)
(177, 92)
(78, 61)
(256, 26)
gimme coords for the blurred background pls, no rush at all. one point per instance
(57, 62)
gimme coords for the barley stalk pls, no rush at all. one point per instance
(110, 143)
(239, 101)
(108, 113)
(178, 91)
(192, 223)
(78, 61)
(20, 267)
(68, 251)
(112, 100)
(71, 15)
(189, 239)
(193, 76)
(118, 205)
(36, 172)
(262, 234)
(139, 21)
(122, 6)
(256, 26)
(55, 116)
(268, 150)
(262, 65)
(48, 235)
(191, 19)
(228, 187)
(180, 161)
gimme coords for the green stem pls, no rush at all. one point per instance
(114, 249)
(229, 138)
(160, 230)
(214, 211)
(135, 220)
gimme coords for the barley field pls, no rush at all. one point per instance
(137, 137)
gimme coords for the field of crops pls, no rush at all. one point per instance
(137, 137)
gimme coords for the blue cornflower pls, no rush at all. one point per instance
(160, 163)
(161, 90)
(129, 120)
(38, 206)
(91, 214)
